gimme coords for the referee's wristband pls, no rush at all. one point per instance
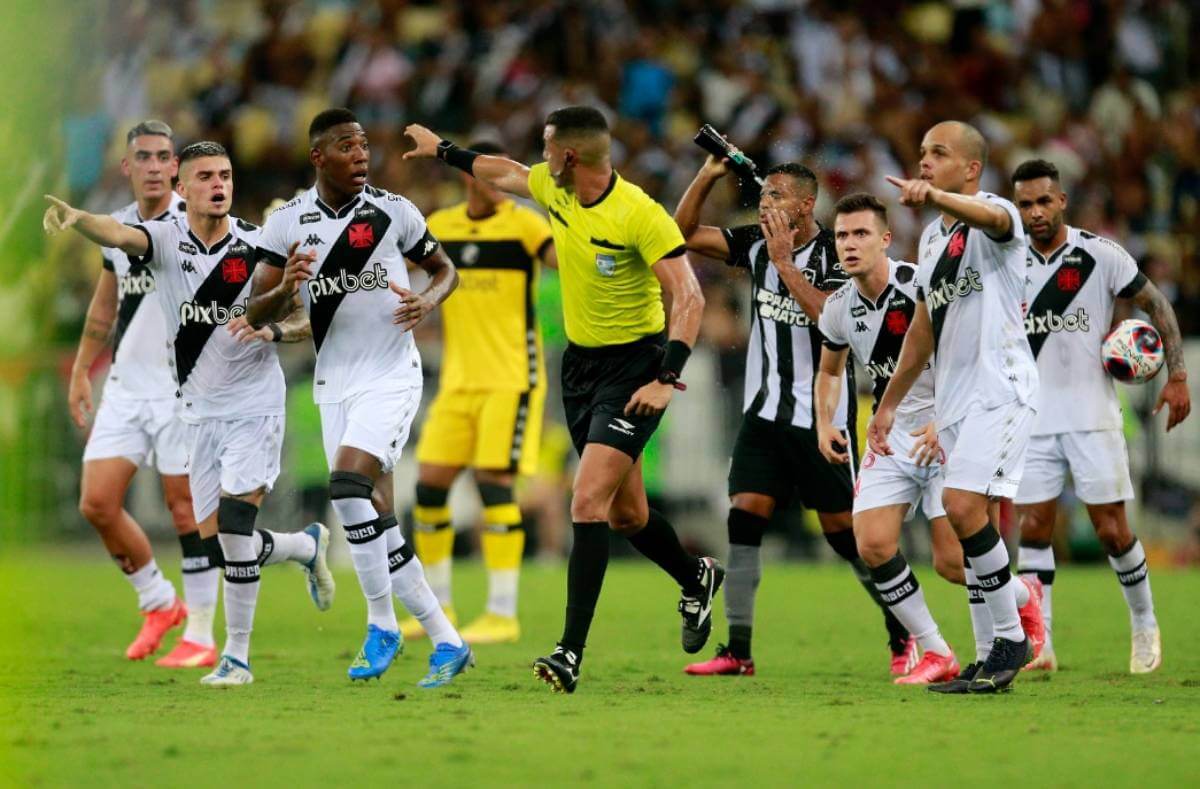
(276, 332)
(673, 361)
(462, 158)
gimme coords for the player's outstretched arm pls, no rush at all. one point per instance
(100, 229)
(274, 289)
(413, 307)
(705, 239)
(97, 331)
(780, 245)
(917, 348)
(988, 217)
(831, 441)
(1174, 393)
(497, 171)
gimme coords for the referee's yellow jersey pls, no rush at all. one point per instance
(490, 326)
(605, 253)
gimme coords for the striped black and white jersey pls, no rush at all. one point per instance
(141, 349)
(202, 289)
(974, 288)
(1071, 294)
(874, 331)
(360, 247)
(784, 352)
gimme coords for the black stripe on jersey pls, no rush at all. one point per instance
(557, 216)
(890, 339)
(945, 275)
(190, 340)
(519, 429)
(129, 304)
(786, 361)
(604, 244)
(506, 254)
(1058, 293)
(345, 256)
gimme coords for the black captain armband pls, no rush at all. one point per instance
(462, 158)
(276, 332)
(672, 364)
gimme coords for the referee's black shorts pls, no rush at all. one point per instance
(597, 384)
(781, 460)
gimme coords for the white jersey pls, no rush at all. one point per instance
(360, 247)
(202, 289)
(1071, 295)
(974, 288)
(874, 332)
(140, 347)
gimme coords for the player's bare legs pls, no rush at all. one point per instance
(201, 578)
(947, 551)
(1128, 559)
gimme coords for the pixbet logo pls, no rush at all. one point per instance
(1049, 322)
(949, 292)
(212, 314)
(343, 283)
(138, 284)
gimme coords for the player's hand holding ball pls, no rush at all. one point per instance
(650, 400)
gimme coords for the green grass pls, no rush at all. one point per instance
(822, 709)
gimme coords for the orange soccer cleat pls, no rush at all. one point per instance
(932, 668)
(1031, 614)
(157, 623)
(722, 665)
(189, 654)
(905, 660)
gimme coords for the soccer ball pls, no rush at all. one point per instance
(1132, 352)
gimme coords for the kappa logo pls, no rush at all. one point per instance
(313, 240)
(621, 426)
(344, 282)
(429, 248)
(861, 326)
(470, 254)
(949, 292)
(138, 284)
(234, 271)
(188, 248)
(310, 217)
(1048, 322)
(361, 235)
(212, 314)
(188, 266)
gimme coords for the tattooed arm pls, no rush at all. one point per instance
(97, 331)
(1175, 393)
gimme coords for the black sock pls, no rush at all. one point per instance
(659, 543)
(585, 576)
(843, 544)
(212, 546)
(739, 641)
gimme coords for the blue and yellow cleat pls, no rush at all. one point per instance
(377, 653)
(446, 663)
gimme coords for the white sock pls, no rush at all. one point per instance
(409, 584)
(154, 591)
(1134, 575)
(200, 594)
(502, 592)
(1020, 591)
(369, 554)
(1038, 560)
(241, 593)
(901, 592)
(438, 576)
(275, 547)
(981, 618)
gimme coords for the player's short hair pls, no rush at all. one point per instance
(861, 201)
(797, 171)
(198, 150)
(150, 127)
(327, 119)
(1033, 169)
(488, 147)
(577, 120)
(974, 144)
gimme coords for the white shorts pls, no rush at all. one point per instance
(884, 480)
(376, 421)
(237, 456)
(144, 432)
(1097, 459)
(985, 450)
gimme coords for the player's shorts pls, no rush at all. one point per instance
(376, 421)
(144, 432)
(597, 384)
(237, 456)
(1097, 459)
(985, 450)
(884, 480)
(499, 431)
(782, 461)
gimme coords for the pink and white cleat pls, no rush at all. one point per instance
(189, 654)
(155, 626)
(724, 664)
(932, 668)
(1031, 614)
(906, 659)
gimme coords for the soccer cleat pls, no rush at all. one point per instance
(559, 669)
(906, 659)
(378, 651)
(1047, 661)
(1147, 651)
(229, 672)
(960, 683)
(492, 629)
(1031, 614)
(724, 664)
(932, 668)
(189, 654)
(446, 663)
(155, 626)
(412, 629)
(320, 580)
(697, 611)
(1002, 666)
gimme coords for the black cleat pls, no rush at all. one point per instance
(697, 611)
(559, 669)
(959, 684)
(1002, 666)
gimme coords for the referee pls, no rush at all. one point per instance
(617, 251)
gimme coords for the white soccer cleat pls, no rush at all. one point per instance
(229, 672)
(1146, 655)
(320, 580)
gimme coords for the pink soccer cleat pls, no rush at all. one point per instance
(154, 628)
(1031, 614)
(905, 660)
(189, 654)
(931, 668)
(724, 664)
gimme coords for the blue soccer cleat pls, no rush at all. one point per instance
(320, 580)
(377, 653)
(446, 663)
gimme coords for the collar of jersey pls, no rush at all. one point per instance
(612, 183)
(811, 241)
(215, 247)
(158, 218)
(1046, 260)
(945, 231)
(342, 212)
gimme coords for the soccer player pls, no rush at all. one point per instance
(618, 250)
(971, 285)
(488, 412)
(230, 392)
(793, 267)
(1074, 279)
(136, 422)
(352, 279)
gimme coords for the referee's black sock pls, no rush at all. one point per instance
(659, 543)
(585, 576)
(844, 546)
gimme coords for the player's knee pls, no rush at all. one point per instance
(99, 510)
(182, 515)
(628, 519)
(589, 505)
(950, 568)
(235, 516)
(1111, 529)
(349, 485)
(963, 509)
(1036, 526)
(875, 549)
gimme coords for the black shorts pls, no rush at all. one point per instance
(780, 460)
(597, 384)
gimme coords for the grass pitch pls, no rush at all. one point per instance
(822, 710)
